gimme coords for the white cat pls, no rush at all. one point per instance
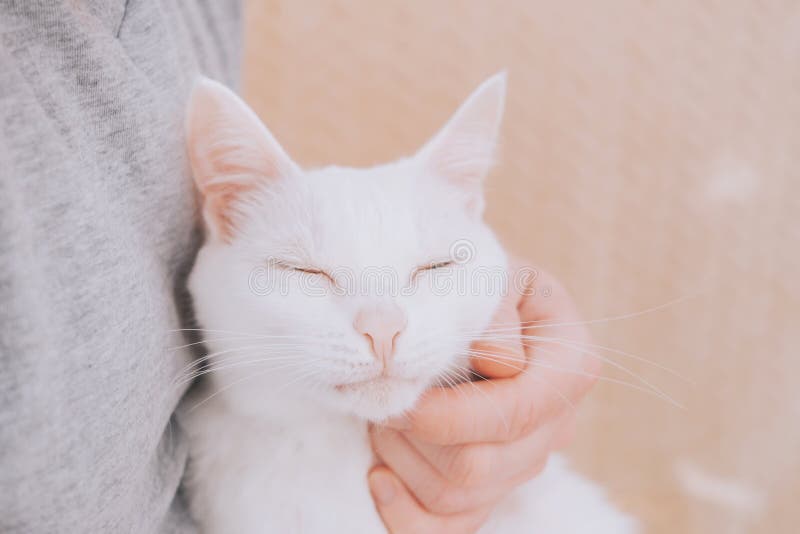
(309, 345)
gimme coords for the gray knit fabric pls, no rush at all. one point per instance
(97, 226)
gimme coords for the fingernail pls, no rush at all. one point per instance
(399, 423)
(382, 486)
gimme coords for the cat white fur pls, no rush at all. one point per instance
(278, 432)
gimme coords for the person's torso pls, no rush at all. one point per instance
(97, 228)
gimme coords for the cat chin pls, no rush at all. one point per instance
(379, 399)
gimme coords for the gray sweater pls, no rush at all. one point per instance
(97, 230)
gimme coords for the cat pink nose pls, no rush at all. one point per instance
(381, 324)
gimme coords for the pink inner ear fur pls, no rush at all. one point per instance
(230, 153)
(219, 208)
(463, 150)
(230, 173)
(221, 178)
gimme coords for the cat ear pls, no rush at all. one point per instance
(463, 151)
(231, 153)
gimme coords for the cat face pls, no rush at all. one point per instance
(343, 289)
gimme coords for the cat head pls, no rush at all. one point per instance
(340, 288)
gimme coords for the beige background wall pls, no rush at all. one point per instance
(651, 152)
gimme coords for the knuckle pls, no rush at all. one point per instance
(524, 419)
(536, 467)
(591, 371)
(446, 500)
(441, 431)
(565, 435)
(470, 466)
(442, 434)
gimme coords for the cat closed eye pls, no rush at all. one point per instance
(298, 268)
(433, 266)
(437, 265)
(307, 270)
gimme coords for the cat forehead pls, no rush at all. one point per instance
(358, 183)
(387, 213)
(384, 215)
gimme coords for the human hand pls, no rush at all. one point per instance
(464, 448)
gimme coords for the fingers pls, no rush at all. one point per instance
(399, 510)
(457, 479)
(495, 410)
(496, 356)
(560, 370)
(463, 448)
(402, 514)
(483, 465)
(436, 494)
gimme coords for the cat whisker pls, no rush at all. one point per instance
(541, 323)
(180, 381)
(534, 342)
(216, 330)
(261, 347)
(232, 363)
(304, 338)
(201, 361)
(535, 363)
(310, 373)
(583, 344)
(610, 362)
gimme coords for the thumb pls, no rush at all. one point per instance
(400, 511)
(498, 352)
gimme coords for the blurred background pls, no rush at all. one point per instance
(650, 156)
